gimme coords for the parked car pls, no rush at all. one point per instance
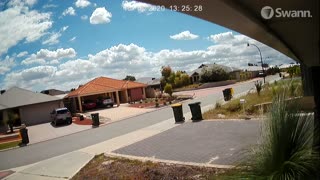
(105, 102)
(108, 102)
(89, 104)
(61, 115)
(261, 74)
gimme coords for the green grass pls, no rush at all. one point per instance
(233, 108)
(9, 145)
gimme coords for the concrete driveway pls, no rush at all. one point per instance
(115, 113)
(222, 142)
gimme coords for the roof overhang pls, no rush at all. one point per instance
(298, 38)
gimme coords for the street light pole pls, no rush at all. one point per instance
(264, 77)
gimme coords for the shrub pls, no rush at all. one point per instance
(218, 105)
(168, 89)
(234, 106)
(286, 150)
(185, 79)
(177, 82)
(258, 85)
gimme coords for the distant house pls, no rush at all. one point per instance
(120, 91)
(153, 85)
(29, 107)
(53, 92)
(195, 74)
(252, 71)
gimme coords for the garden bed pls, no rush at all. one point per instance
(102, 167)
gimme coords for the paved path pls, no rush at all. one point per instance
(48, 149)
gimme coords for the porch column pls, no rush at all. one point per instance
(144, 93)
(80, 104)
(126, 95)
(117, 97)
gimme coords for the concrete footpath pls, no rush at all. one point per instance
(67, 165)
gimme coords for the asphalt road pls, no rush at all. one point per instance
(51, 148)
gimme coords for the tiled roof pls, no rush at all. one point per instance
(149, 80)
(225, 68)
(104, 84)
(16, 97)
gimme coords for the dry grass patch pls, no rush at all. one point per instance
(102, 167)
(233, 108)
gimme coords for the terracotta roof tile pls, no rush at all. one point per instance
(104, 84)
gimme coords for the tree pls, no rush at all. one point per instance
(177, 82)
(166, 71)
(129, 78)
(171, 78)
(168, 89)
(185, 79)
(213, 74)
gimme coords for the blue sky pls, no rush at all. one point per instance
(47, 44)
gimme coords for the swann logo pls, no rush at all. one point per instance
(267, 12)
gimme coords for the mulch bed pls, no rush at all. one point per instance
(9, 139)
(148, 105)
(86, 121)
(102, 167)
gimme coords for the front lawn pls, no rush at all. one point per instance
(233, 108)
(9, 145)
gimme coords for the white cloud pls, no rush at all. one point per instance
(22, 54)
(49, 6)
(54, 37)
(123, 59)
(6, 64)
(69, 11)
(30, 77)
(185, 35)
(51, 57)
(64, 28)
(84, 17)
(100, 16)
(13, 3)
(222, 37)
(137, 6)
(73, 39)
(28, 25)
(82, 3)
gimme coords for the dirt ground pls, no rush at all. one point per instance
(102, 167)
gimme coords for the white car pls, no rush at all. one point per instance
(61, 115)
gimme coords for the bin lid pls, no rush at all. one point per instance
(176, 105)
(195, 103)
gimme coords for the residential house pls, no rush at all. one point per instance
(29, 107)
(251, 71)
(120, 91)
(53, 92)
(153, 85)
(195, 74)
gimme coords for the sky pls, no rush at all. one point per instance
(48, 44)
